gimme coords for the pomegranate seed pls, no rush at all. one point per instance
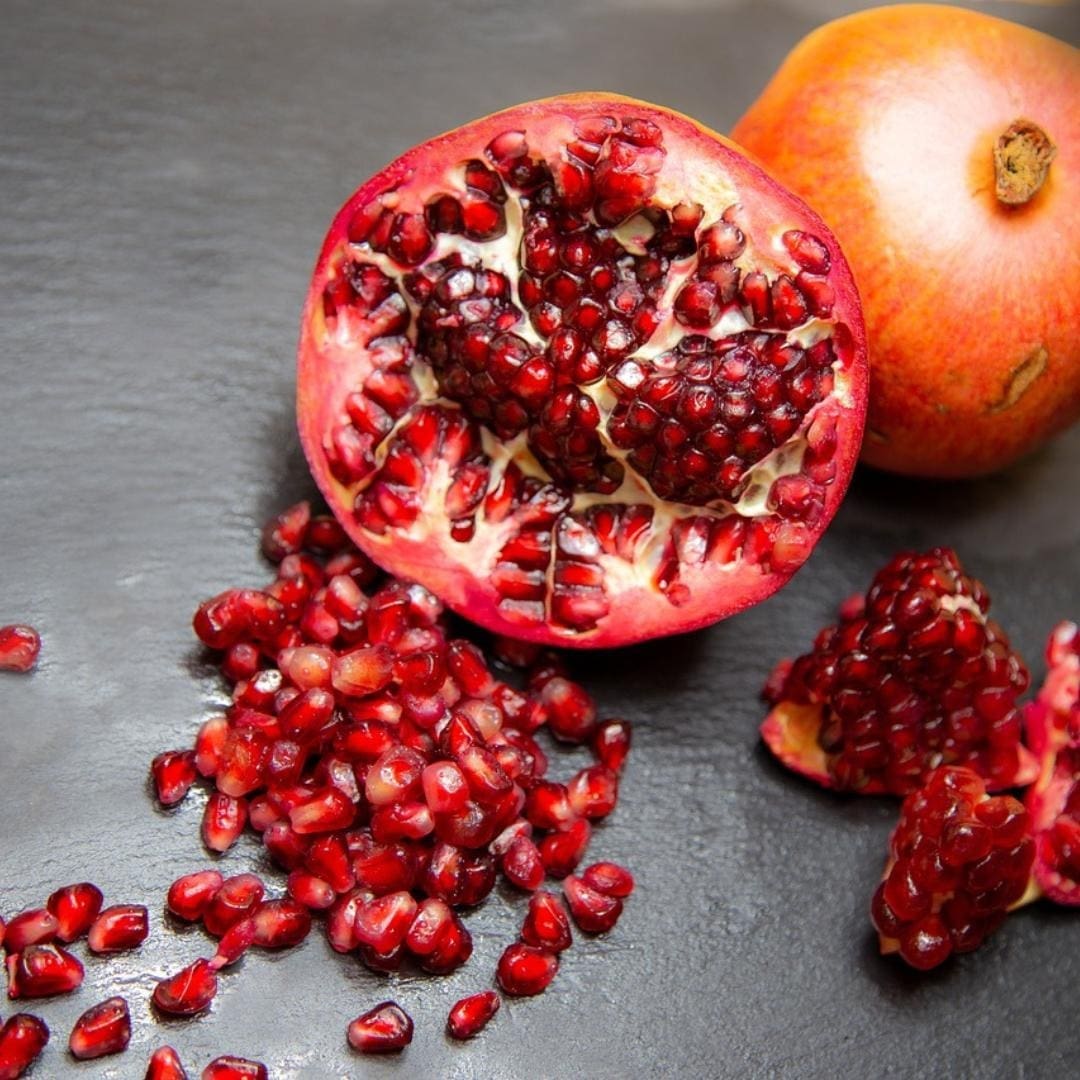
(42, 971)
(287, 848)
(395, 777)
(239, 614)
(382, 868)
(311, 891)
(609, 878)
(341, 920)
(233, 944)
(547, 926)
(223, 821)
(188, 991)
(425, 933)
(118, 929)
(173, 772)
(74, 907)
(242, 765)
(471, 1015)
(34, 927)
(328, 858)
(593, 911)
(280, 924)
(208, 744)
(525, 970)
(383, 1029)
(445, 789)
(362, 671)
(19, 648)
(522, 864)
(190, 895)
(571, 714)
(241, 661)
(561, 852)
(165, 1065)
(22, 1039)
(611, 744)
(328, 810)
(234, 1068)
(593, 792)
(284, 535)
(453, 949)
(547, 805)
(236, 899)
(103, 1029)
(383, 922)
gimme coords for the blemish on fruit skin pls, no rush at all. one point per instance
(1021, 379)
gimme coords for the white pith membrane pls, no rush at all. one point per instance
(643, 540)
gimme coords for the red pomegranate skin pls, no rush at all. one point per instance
(886, 122)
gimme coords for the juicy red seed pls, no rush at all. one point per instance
(173, 772)
(593, 911)
(187, 992)
(807, 250)
(165, 1064)
(547, 805)
(238, 615)
(328, 858)
(611, 744)
(208, 744)
(469, 1016)
(235, 1068)
(593, 792)
(22, 1039)
(241, 661)
(19, 648)
(454, 949)
(395, 777)
(233, 944)
(444, 787)
(561, 852)
(433, 917)
(74, 907)
(103, 1029)
(311, 891)
(280, 924)
(381, 1030)
(525, 970)
(609, 878)
(926, 943)
(35, 927)
(189, 896)
(547, 925)
(224, 818)
(571, 714)
(522, 864)
(236, 899)
(42, 971)
(119, 928)
(284, 534)
(383, 922)
(327, 811)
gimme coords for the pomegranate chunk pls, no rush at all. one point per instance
(42, 971)
(525, 970)
(383, 1029)
(22, 1039)
(103, 1029)
(471, 1015)
(959, 860)
(119, 928)
(234, 1068)
(165, 1065)
(187, 992)
(916, 676)
(75, 907)
(19, 648)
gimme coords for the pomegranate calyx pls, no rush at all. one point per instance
(1022, 157)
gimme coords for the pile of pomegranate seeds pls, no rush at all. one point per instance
(19, 648)
(913, 676)
(959, 860)
(391, 775)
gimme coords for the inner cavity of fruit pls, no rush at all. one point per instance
(556, 359)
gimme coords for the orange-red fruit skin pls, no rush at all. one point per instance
(885, 121)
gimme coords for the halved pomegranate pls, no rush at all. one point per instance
(584, 371)
(1053, 730)
(911, 677)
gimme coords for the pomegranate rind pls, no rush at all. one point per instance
(700, 164)
(1052, 724)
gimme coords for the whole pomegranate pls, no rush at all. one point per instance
(943, 147)
(584, 371)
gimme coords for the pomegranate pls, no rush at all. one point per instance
(119, 928)
(75, 907)
(22, 1039)
(471, 1015)
(103, 1029)
(913, 676)
(943, 146)
(235, 1068)
(165, 1064)
(1053, 728)
(583, 371)
(381, 1030)
(959, 860)
(19, 648)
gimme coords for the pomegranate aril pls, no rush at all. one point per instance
(187, 992)
(118, 929)
(547, 926)
(311, 891)
(433, 917)
(469, 1016)
(236, 899)
(609, 878)
(233, 944)
(328, 810)
(382, 923)
(35, 927)
(453, 949)
(593, 792)
(571, 714)
(561, 852)
(173, 772)
(284, 534)
(280, 924)
(383, 1029)
(547, 805)
(103, 1029)
(230, 1067)
(525, 970)
(594, 912)
(190, 895)
(165, 1064)
(22, 1039)
(42, 971)
(74, 907)
(522, 865)
(19, 648)
(445, 788)
(224, 818)
(925, 943)
(611, 744)
(209, 743)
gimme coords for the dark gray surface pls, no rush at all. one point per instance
(166, 175)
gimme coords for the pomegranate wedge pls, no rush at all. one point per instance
(584, 371)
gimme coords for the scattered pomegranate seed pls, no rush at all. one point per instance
(547, 926)
(223, 821)
(188, 991)
(609, 878)
(42, 971)
(381, 1030)
(19, 648)
(236, 899)
(173, 772)
(190, 895)
(75, 907)
(119, 928)
(284, 534)
(561, 852)
(595, 912)
(234, 1068)
(103, 1029)
(611, 744)
(233, 944)
(280, 924)
(471, 1015)
(22, 1039)
(525, 970)
(522, 864)
(34, 927)
(165, 1064)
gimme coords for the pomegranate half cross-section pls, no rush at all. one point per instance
(583, 370)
